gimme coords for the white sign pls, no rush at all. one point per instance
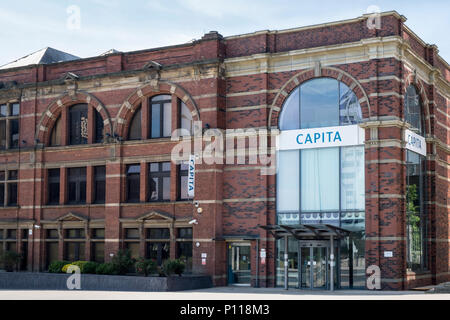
(415, 142)
(388, 254)
(263, 253)
(191, 176)
(321, 137)
(204, 255)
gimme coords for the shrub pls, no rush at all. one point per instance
(65, 267)
(123, 261)
(90, 267)
(105, 268)
(146, 266)
(10, 260)
(173, 267)
(56, 266)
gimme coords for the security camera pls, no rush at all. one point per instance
(196, 204)
(193, 221)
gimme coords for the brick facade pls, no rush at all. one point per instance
(237, 82)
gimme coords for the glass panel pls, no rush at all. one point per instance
(15, 108)
(185, 233)
(52, 252)
(2, 176)
(158, 233)
(158, 251)
(184, 253)
(74, 251)
(319, 267)
(11, 234)
(98, 127)
(319, 103)
(78, 116)
(135, 127)
(134, 249)
(2, 194)
(55, 139)
(413, 108)
(154, 167)
(288, 189)
(14, 130)
(416, 223)
(186, 120)
(166, 188)
(153, 189)
(98, 233)
(161, 97)
(305, 267)
(132, 233)
(352, 178)
(184, 187)
(349, 108)
(98, 252)
(134, 168)
(100, 184)
(166, 166)
(155, 121)
(3, 110)
(320, 179)
(167, 119)
(12, 175)
(290, 118)
(52, 234)
(12, 194)
(2, 134)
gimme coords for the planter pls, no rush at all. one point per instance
(56, 281)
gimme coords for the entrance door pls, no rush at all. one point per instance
(239, 268)
(315, 268)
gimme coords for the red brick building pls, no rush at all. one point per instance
(86, 169)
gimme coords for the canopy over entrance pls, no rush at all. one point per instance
(306, 231)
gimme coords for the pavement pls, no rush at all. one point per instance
(222, 293)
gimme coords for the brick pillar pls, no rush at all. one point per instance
(144, 182)
(89, 184)
(173, 181)
(114, 170)
(62, 186)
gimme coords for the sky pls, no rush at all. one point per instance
(88, 28)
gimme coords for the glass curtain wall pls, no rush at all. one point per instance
(324, 185)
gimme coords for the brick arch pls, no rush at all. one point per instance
(309, 74)
(53, 112)
(411, 79)
(126, 111)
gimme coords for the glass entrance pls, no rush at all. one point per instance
(239, 263)
(315, 267)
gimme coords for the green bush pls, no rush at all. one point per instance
(173, 267)
(56, 266)
(106, 268)
(146, 266)
(123, 261)
(10, 260)
(65, 268)
(90, 267)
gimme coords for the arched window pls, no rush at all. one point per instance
(159, 119)
(322, 102)
(77, 127)
(320, 183)
(416, 225)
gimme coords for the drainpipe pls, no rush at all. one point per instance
(286, 284)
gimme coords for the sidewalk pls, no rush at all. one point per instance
(223, 293)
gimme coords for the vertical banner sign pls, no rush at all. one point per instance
(191, 176)
(263, 256)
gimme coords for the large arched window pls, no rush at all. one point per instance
(159, 119)
(320, 183)
(77, 127)
(416, 225)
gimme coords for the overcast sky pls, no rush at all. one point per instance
(27, 26)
